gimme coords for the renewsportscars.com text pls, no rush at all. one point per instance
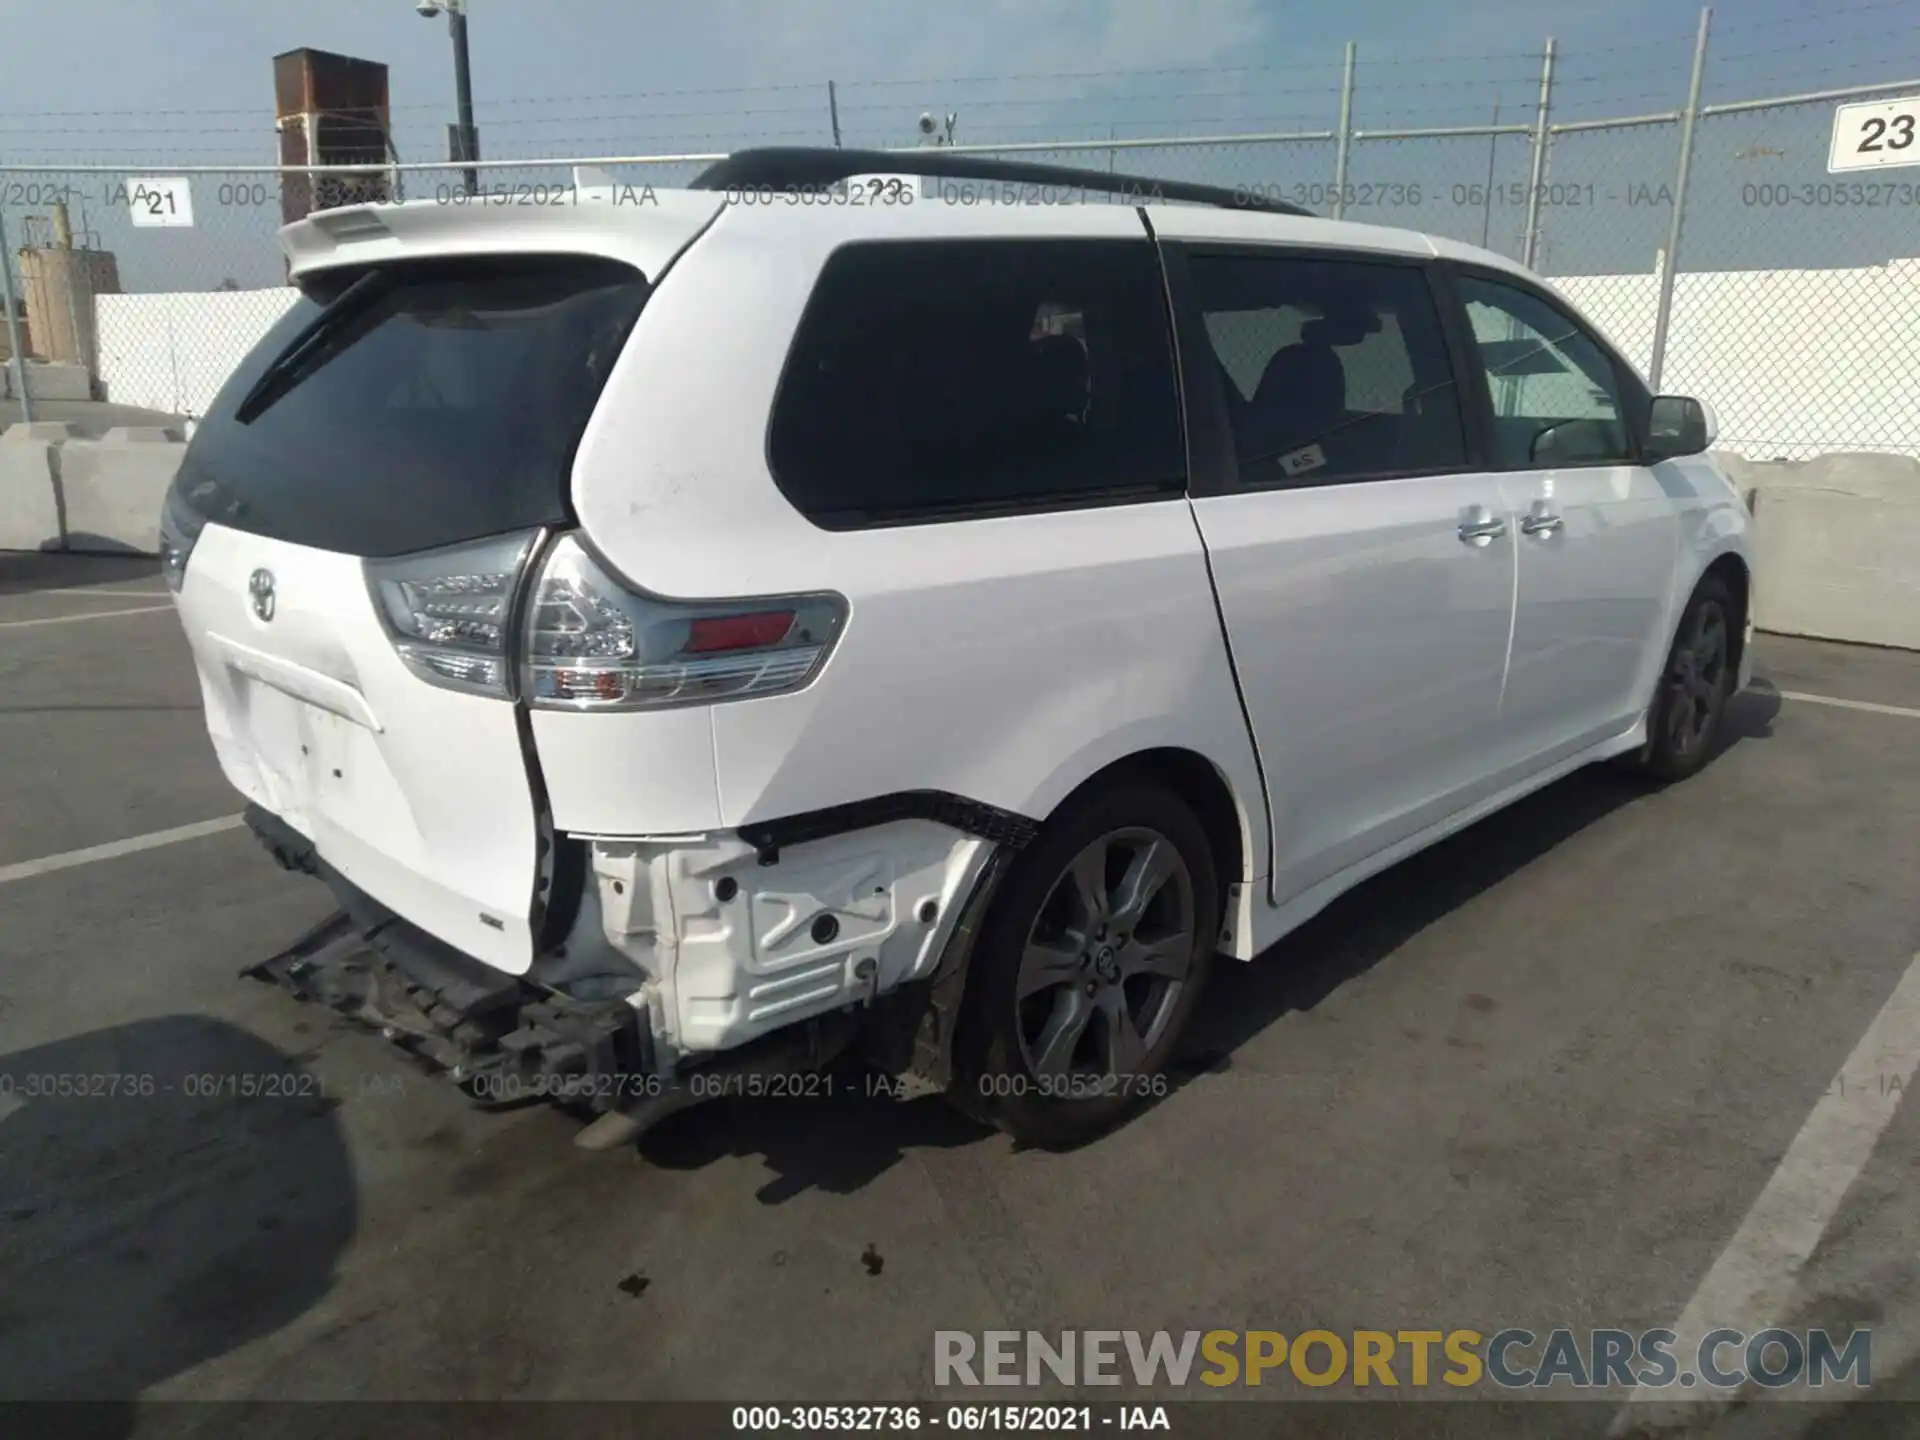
(1508, 1359)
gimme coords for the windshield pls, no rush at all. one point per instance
(415, 405)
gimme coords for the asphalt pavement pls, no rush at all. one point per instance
(1544, 1074)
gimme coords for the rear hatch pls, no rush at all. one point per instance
(347, 536)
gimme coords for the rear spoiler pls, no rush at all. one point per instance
(641, 224)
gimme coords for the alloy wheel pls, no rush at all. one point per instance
(1697, 679)
(1106, 958)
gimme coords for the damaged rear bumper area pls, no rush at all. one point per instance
(496, 1036)
(507, 1039)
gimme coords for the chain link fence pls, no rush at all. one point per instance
(1281, 167)
(1467, 187)
(1796, 305)
(153, 316)
(1605, 220)
(1793, 305)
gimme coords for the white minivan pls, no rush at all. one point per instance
(861, 600)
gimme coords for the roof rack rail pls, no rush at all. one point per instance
(800, 165)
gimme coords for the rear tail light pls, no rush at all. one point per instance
(179, 528)
(448, 611)
(591, 643)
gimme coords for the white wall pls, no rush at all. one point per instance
(174, 351)
(1797, 363)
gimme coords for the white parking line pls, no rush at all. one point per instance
(70, 619)
(98, 592)
(26, 869)
(1835, 700)
(1749, 1286)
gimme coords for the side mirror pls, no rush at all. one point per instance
(1678, 425)
(1577, 442)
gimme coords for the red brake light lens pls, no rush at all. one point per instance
(737, 632)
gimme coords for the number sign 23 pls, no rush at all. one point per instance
(1876, 135)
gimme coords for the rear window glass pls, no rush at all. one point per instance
(416, 405)
(962, 377)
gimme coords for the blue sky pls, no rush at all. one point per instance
(148, 86)
(121, 79)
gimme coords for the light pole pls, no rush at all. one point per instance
(466, 140)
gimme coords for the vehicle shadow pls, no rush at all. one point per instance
(1885, 1413)
(837, 1142)
(92, 546)
(150, 1217)
(1377, 917)
(23, 571)
(840, 1141)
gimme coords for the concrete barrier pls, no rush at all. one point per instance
(48, 381)
(1838, 538)
(113, 487)
(1838, 543)
(29, 494)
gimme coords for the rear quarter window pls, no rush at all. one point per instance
(442, 401)
(947, 379)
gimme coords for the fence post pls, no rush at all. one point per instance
(19, 360)
(1493, 155)
(1346, 137)
(1663, 315)
(1536, 181)
(833, 112)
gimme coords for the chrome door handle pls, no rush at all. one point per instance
(1472, 530)
(1541, 523)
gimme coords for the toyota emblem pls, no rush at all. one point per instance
(260, 587)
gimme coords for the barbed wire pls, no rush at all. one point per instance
(1293, 65)
(1799, 78)
(1798, 48)
(1588, 81)
(1823, 15)
(1103, 100)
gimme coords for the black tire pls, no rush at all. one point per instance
(1690, 698)
(1091, 1080)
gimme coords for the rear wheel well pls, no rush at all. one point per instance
(1196, 781)
(1731, 571)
